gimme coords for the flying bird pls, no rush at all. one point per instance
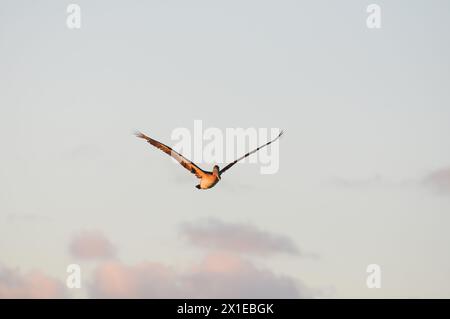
(207, 179)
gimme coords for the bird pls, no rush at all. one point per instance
(208, 179)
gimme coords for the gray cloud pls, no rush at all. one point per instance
(242, 238)
(91, 245)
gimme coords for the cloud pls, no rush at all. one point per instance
(145, 280)
(224, 272)
(91, 245)
(13, 284)
(439, 180)
(224, 275)
(219, 275)
(242, 238)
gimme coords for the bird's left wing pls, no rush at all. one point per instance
(249, 153)
(187, 164)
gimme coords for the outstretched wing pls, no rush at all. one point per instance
(187, 164)
(249, 153)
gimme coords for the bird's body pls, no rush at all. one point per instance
(207, 179)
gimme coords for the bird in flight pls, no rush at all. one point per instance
(207, 179)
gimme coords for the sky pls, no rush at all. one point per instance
(364, 165)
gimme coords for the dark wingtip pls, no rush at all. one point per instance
(140, 134)
(281, 133)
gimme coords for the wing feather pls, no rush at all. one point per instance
(249, 153)
(187, 164)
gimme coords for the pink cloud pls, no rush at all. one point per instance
(242, 238)
(144, 280)
(223, 273)
(31, 285)
(91, 245)
(226, 275)
(439, 180)
(218, 275)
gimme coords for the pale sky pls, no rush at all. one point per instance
(364, 165)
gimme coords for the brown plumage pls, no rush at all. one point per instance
(207, 179)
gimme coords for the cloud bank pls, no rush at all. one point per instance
(13, 284)
(218, 275)
(225, 270)
(241, 238)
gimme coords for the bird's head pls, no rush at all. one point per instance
(216, 170)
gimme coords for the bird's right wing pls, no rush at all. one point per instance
(187, 164)
(248, 154)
